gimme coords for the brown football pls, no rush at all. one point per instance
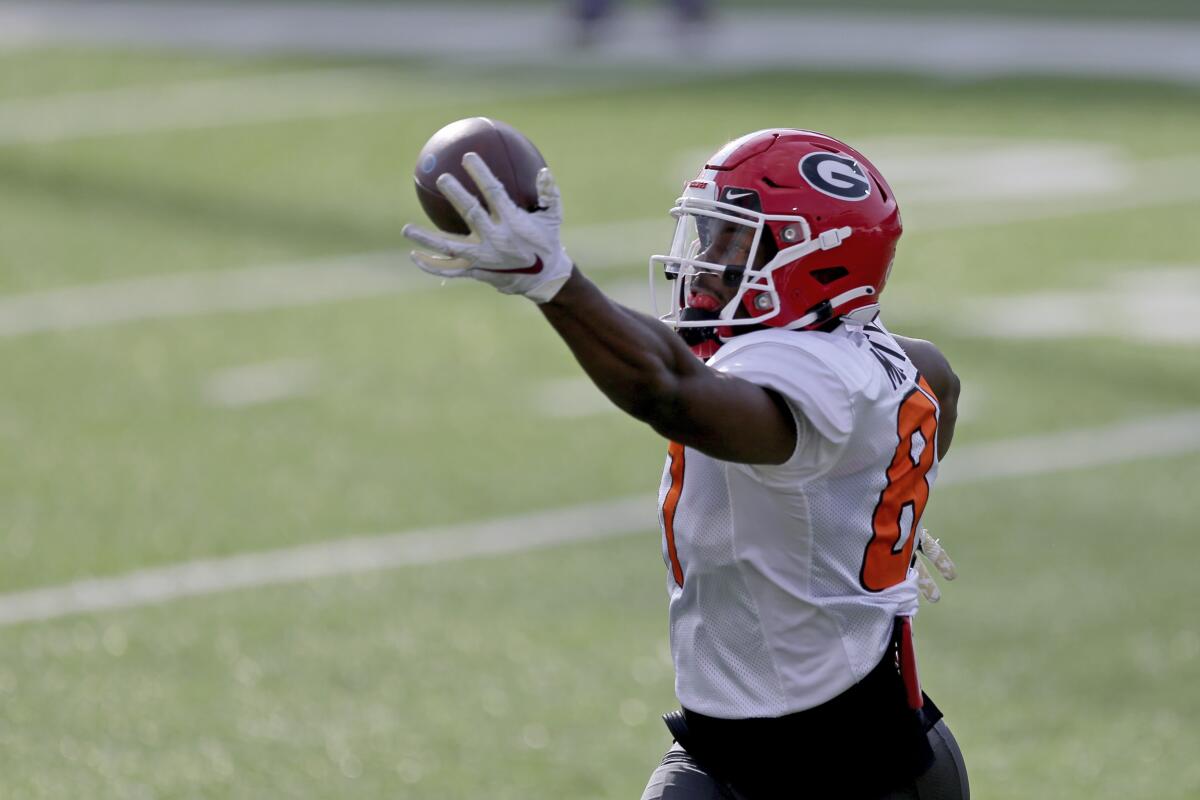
(511, 157)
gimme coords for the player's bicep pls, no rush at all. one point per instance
(934, 365)
(730, 419)
(948, 403)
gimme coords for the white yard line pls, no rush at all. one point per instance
(1160, 182)
(273, 286)
(340, 557)
(1152, 437)
(199, 104)
(1040, 454)
(259, 384)
(599, 247)
(946, 172)
(194, 293)
(628, 243)
(1155, 303)
(251, 99)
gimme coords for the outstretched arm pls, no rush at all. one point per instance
(945, 384)
(639, 363)
(647, 371)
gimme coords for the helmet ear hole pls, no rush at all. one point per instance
(878, 185)
(827, 275)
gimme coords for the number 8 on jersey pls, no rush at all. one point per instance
(897, 515)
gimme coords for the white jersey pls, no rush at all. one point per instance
(785, 581)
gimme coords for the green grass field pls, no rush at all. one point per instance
(1065, 656)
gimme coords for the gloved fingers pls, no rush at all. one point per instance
(436, 242)
(464, 203)
(945, 566)
(929, 588)
(549, 197)
(932, 549)
(441, 266)
(489, 185)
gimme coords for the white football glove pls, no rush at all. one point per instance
(931, 550)
(515, 250)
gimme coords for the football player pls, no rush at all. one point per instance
(591, 15)
(804, 442)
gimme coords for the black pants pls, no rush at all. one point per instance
(861, 745)
(679, 777)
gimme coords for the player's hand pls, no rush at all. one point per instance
(931, 550)
(515, 250)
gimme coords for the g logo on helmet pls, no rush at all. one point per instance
(835, 175)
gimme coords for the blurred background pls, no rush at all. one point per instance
(282, 517)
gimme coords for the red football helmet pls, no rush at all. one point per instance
(800, 224)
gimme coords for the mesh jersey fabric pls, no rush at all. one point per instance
(771, 616)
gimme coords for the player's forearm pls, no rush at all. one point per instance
(634, 359)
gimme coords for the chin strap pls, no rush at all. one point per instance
(827, 309)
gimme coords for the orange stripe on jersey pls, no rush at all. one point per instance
(924, 384)
(888, 553)
(675, 451)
